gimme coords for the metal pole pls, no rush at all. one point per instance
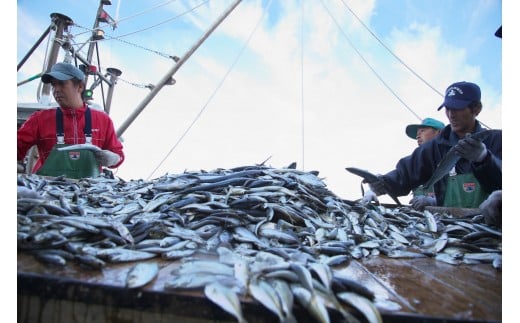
(87, 62)
(92, 40)
(114, 74)
(32, 78)
(170, 73)
(38, 42)
(62, 22)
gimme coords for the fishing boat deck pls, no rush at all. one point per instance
(426, 289)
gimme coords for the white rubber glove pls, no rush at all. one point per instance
(421, 201)
(107, 158)
(378, 187)
(471, 149)
(369, 197)
(492, 209)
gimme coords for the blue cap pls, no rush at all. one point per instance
(63, 72)
(460, 95)
(411, 130)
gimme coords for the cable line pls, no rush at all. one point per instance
(130, 17)
(368, 64)
(162, 22)
(142, 12)
(302, 88)
(118, 37)
(169, 56)
(397, 57)
(390, 51)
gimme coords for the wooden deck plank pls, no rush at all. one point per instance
(426, 289)
(437, 289)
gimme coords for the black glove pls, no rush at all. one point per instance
(492, 209)
(471, 149)
(106, 157)
(421, 201)
(378, 187)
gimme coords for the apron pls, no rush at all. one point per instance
(78, 163)
(419, 191)
(464, 191)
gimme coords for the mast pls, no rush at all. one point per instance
(97, 33)
(61, 23)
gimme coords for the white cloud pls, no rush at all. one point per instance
(347, 117)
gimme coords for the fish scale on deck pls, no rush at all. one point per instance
(280, 225)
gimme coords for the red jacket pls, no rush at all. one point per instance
(40, 130)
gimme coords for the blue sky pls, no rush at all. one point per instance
(253, 91)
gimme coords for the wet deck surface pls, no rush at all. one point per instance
(427, 290)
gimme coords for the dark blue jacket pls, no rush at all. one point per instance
(417, 168)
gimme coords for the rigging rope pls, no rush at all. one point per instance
(302, 88)
(118, 38)
(392, 53)
(50, 38)
(400, 60)
(214, 92)
(129, 43)
(130, 17)
(162, 22)
(367, 63)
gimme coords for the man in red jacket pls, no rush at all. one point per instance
(57, 132)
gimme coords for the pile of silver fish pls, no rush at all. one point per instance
(273, 235)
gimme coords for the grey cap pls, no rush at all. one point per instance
(63, 72)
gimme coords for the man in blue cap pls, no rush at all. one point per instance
(475, 175)
(72, 123)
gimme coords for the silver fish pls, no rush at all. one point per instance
(141, 274)
(178, 254)
(323, 272)
(226, 298)
(264, 293)
(364, 305)
(371, 178)
(124, 255)
(241, 272)
(198, 281)
(80, 146)
(449, 160)
(50, 258)
(206, 266)
(309, 301)
(283, 290)
(447, 258)
(243, 234)
(91, 261)
(430, 221)
(304, 275)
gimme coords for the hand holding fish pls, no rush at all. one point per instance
(471, 149)
(368, 197)
(106, 157)
(492, 209)
(421, 201)
(378, 186)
